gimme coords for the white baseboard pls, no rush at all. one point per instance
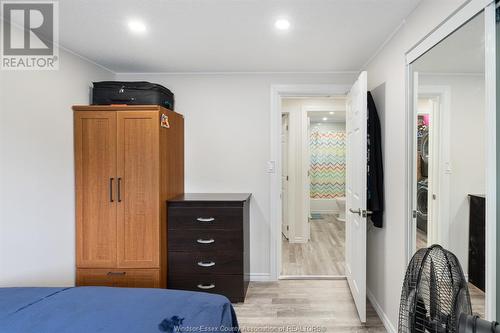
(260, 277)
(383, 316)
(312, 277)
(298, 240)
(319, 211)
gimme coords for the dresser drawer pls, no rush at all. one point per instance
(115, 277)
(208, 241)
(228, 262)
(209, 218)
(231, 286)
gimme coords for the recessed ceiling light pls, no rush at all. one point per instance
(282, 24)
(325, 119)
(332, 112)
(137, 26)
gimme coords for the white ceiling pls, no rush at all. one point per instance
(230, 35)
(319, 116)
(461, 52)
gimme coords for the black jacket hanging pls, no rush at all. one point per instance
(375, 180)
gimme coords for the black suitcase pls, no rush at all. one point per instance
(132, 93)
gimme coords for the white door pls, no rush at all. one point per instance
(284, 174)
(307, 167)
(356, 150)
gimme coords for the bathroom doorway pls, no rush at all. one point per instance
(313, 187)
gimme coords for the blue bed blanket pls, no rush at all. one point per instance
(113, 310)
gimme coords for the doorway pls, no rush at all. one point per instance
(355, 105)
(431, 140)
(313, 187)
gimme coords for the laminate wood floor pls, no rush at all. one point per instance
(477, 299)
(323, 255)
(421, 239)
(326, 304)
(477, 296)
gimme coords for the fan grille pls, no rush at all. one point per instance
(434, 293)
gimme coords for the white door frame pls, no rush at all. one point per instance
(277, 93)
(461, 16)
(440, 136)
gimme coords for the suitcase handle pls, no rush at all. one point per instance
(122, 100)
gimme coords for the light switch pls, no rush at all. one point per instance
(447, 168)
(271, 166)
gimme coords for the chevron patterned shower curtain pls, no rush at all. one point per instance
(327, 162)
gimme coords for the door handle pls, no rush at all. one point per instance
(203, 219)
(365, 213)
(361, 212)
(116, 273)
(206, 263)
(119, 189)
(111, 189)
(206, 286)
(354, 211)
(206, 241)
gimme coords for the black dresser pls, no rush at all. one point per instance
(477, 233)
(209, 244)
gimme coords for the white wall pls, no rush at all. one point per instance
(467, 164)
(227, 136)
(386, 79)
(37, 223)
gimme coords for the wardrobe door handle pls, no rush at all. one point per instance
(111, 190)
(116, 273)
(206, 286)
(206, 241)
(203, 219)
(119, 189)
(206, 263)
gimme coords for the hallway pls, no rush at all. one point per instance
(324, 254)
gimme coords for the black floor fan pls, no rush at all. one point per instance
(435, 297)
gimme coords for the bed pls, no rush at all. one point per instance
(113, 310)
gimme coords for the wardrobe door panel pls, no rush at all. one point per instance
(95, 170)
(138, 182)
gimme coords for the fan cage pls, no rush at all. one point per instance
(434, 293)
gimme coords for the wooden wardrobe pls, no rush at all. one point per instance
(128, 161)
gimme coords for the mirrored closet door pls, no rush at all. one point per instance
(449, 145)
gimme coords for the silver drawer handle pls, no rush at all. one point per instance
(206, 241)
(205, 219)
(206, 263)
(206, 286)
